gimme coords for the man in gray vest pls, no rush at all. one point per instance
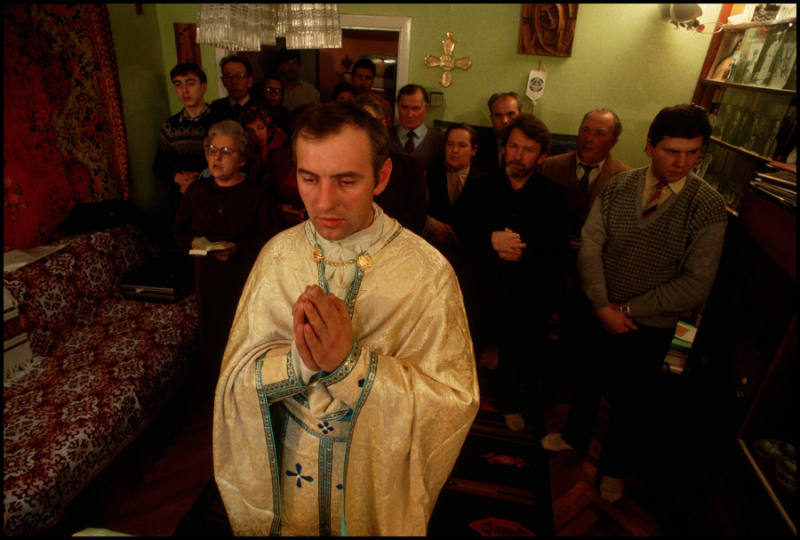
(649, 254)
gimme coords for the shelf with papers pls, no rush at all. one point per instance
(738, 148)
(742, 86)
(756, 24)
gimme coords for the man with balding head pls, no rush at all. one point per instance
(586, 171)
(503, 108)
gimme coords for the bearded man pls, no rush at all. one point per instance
(517, 227)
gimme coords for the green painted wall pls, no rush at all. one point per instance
(624, 56)
(145, 48)
(144, 101)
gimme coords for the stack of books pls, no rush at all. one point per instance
(780, 185)
(678, 353)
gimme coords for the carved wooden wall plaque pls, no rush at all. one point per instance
(547, 29)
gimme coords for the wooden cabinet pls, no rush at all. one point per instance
(747, 338)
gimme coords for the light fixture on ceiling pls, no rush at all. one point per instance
(246, 27)
(686, 16)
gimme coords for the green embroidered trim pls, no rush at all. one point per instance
(269, 438)
(395, 235)
(369, 380)
(325, 468)
(352, 290)
(290, 385)
(345, 367)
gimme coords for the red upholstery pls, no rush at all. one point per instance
(108, 364)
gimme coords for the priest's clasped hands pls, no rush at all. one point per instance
(322, 329)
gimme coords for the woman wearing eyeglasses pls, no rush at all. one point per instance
(223, 204)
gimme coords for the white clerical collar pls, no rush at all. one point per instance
(366, 240)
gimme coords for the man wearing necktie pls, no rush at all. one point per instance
(446, 181)
(237, 77)
(411, 135)
(649, 254)
(587, 170)
(584, 173)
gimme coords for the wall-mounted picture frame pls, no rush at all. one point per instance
(186, 43)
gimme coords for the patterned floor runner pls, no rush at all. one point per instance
(500, 485)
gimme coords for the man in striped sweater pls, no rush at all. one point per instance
(650, 250)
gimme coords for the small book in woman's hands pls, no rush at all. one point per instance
(203, 246)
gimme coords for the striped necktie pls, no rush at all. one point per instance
(410, 142)
(583, 183)
(652, 202)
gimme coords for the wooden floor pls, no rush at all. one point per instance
(150, 488)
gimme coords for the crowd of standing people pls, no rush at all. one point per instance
(478, 252)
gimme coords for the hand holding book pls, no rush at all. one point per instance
(203, 246)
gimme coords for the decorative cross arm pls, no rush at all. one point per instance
(447, 61)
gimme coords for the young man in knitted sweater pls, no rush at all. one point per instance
(650, 250)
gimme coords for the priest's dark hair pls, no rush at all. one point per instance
(321, 121)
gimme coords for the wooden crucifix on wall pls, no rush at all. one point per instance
(547, 29)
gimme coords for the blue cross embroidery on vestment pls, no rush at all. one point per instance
(298, 475)
(325, 428)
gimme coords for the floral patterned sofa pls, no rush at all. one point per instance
(102, 368)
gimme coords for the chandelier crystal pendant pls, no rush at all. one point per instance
(246, 27)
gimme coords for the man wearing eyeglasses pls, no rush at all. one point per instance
(237, 77)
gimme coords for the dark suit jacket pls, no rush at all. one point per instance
(439, 206)
(430, 150)
(404, 196)
(487, 158)
(538, 212)
(561, 169)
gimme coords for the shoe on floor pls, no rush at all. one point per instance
(611, 489)
(555, 443)
(515, 421)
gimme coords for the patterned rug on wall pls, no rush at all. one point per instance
(64, 137)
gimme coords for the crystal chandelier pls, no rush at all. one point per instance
(246, 27)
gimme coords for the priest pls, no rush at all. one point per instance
(348, 384)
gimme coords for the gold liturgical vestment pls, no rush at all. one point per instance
(363, 450)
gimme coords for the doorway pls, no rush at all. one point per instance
(386, 32)
(380, 46)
